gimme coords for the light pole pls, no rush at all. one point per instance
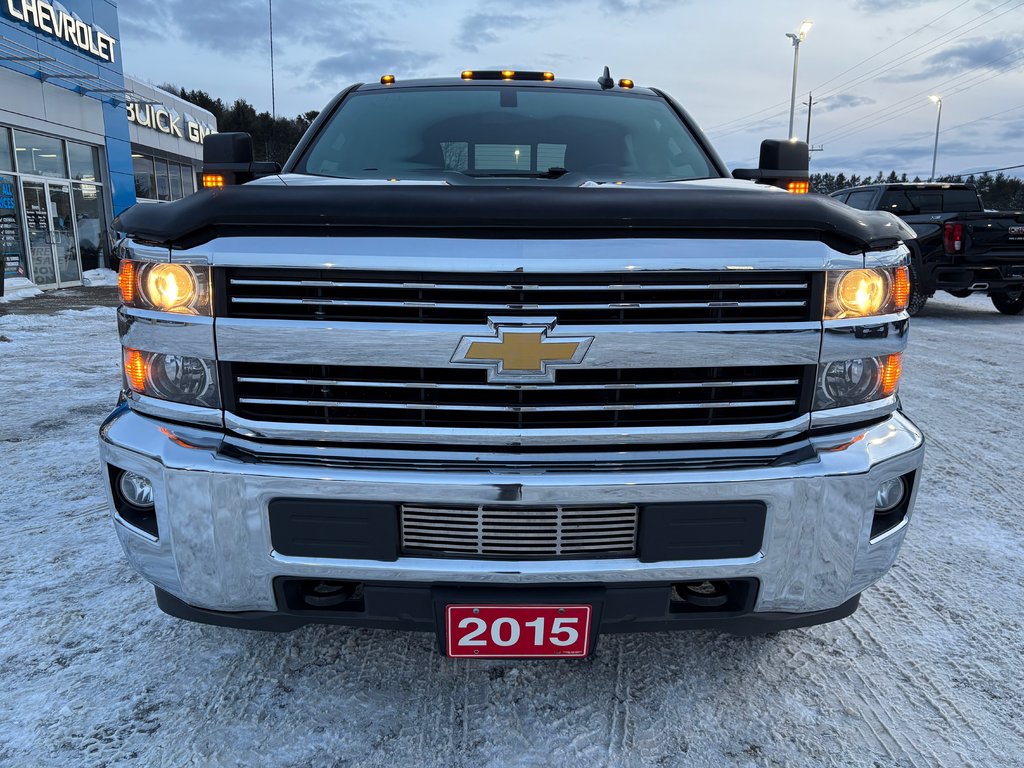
(797, 37)
(938, 119)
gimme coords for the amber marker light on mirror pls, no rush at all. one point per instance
(126, 281)
(213, 180)
(891, 371)
(135, 369)
(798, 187)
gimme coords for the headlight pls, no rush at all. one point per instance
(852, 382)
(178, 288)
(181, 379)
(866, 292)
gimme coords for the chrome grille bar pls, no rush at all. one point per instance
(506, 307)
(531, 387)
(515, 408)
(527, 286)
(510, 533)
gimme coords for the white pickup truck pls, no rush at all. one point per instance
(514, 360)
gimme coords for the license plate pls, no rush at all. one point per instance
(517, 631)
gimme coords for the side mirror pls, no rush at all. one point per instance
(227, 160)
(783, 164)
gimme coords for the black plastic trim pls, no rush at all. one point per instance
(714, 530)
(634, 608)
(360, 530)
(512, 212)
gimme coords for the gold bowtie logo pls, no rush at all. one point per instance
(521, 350)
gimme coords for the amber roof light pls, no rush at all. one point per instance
(387, 79)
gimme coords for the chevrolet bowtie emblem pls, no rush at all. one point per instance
(521, 350)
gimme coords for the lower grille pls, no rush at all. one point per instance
(515, 533)
(463, 398)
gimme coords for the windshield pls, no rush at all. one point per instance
(505, 131)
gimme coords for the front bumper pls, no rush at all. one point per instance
(214, 550)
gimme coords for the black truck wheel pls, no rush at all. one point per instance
(1009, 302)
(918, 296)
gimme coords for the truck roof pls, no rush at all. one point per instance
(426, 82)
(905, 185)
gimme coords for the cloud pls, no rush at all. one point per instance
(484, 28)
(878, 6)
(368, 61)
(843, 101)
(993, 53)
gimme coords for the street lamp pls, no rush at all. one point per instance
(797, 37)
(938, 119)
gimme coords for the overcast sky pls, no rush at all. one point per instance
(872, 63)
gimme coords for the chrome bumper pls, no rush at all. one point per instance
(215, 552)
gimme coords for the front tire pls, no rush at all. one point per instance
(918, 297)
(1009, 302)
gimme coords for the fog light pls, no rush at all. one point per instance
(890, 494)
(136, 489)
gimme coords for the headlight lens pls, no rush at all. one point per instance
(853, 382)
(179, 288)
(867, 292)
(181, 379)
(170, 287)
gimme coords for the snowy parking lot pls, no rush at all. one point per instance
(929, 671)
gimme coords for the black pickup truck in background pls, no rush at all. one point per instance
(961, 248)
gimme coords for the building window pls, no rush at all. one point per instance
(6, 161)
(89, 222)
(175, 175)
(160, 179)
(40, 155)
(163, 186)
(12, 251)
(188, 180)
(85, 162)
(145, 178)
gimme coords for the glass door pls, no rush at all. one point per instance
(53, 246)
(62, 234)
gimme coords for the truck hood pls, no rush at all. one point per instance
(295, 205)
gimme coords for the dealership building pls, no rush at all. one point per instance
(79, 141)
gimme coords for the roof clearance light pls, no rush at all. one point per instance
(387, 79)
(213, 180)
(625, 83)
(507, 74)
(467, 74)
(799, 187)
(549, 76)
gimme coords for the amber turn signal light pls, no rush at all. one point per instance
(213, 180)
(799, 187)
(135, 369)
(892, 369)
(901, 289)
(126, 281)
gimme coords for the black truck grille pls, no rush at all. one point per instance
(609, 298)
(462, 398)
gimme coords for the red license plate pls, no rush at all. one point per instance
(517, 631)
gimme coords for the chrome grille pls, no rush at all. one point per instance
(608, 298)
(461, 398)
(519, 532)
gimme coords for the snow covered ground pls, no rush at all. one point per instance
(930, 671)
